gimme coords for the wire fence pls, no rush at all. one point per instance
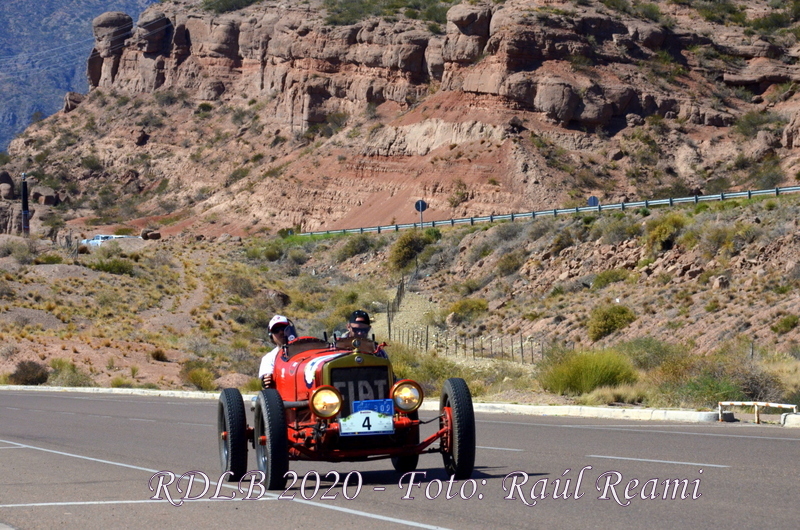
(518, 348)
(555, 212)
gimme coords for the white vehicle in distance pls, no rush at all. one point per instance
(99, 239)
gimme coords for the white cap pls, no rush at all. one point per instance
(278, 319)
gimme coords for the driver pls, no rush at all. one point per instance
(358, 326)
(281, 331)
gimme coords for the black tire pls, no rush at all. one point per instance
(270, 421)
(459, 453)
(406, 463)
(231, 419)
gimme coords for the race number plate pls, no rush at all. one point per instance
(373, 416)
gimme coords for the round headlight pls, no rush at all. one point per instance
(407, 396)
(325, 402)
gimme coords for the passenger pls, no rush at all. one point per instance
(281, 331)
(358, 326)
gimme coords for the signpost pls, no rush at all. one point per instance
(420, 206)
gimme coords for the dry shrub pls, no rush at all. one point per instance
(29, 373)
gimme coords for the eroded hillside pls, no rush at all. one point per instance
(269, 117)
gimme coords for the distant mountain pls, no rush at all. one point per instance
(44, 46)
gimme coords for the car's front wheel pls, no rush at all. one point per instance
(271, 442)
(406, 463)
(458, 419)
(232, 432)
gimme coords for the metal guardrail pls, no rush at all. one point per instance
(756, 404)
(555, 212)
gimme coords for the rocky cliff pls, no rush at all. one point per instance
(267, 117)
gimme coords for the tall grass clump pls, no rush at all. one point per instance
(117, 266)
(576, 373)
(65, 373)
(605, 320)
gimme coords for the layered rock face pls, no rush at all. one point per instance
(519, 106)
(510, 51)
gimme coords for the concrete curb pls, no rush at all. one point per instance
(184, 394)
(589, 412)
(790, 420)
(433, 405)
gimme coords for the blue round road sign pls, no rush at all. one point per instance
(594, 201)
(421, 205)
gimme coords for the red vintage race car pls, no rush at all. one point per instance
(338, 402)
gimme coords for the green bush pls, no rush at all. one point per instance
(199, 373)
(767, 173)
(91, 163)
(605, 320)
(608, 277)
(346, 12)
(237, 175)
(578, 373)
(615, 229)
(648, 11)
(28, 373)
(407, 247)
(720, 11)
(661, 233)
(648, 353)
(510, 263)
(785, 324)
(223, 6)
(751, 122)
(468, 309)
(355, 245)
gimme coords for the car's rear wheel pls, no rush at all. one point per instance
(271, 442)
(232, 430)
(458, 419)
(406, 463)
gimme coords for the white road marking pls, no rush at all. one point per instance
(268, 495)
(638, 429)
(499, 448)
(90, 503)
(656, 461)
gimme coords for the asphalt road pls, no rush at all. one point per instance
(88, 461)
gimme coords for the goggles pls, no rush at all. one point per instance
(360, 331)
